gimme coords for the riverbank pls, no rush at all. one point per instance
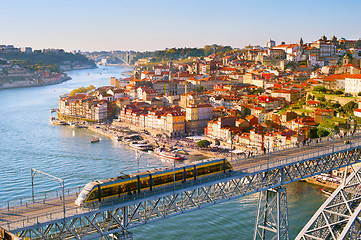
(28, 83)
(322, 183)
(117, 131)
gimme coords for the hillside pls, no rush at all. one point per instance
(55, 62)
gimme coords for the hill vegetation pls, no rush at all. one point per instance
(44, 60)
(182, 53)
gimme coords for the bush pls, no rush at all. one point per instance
(203, 143)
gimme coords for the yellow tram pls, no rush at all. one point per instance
(108, 189)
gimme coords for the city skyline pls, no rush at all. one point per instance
(142, 25)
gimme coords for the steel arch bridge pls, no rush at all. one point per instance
(339, 216)
(113, 221)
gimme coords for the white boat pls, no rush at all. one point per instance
(132, 138)
(168, 154)
(328, 193)
(143, 145)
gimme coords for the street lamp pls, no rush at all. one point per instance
(138, 157)
(268, 156)
(59, 180)
(173, 174)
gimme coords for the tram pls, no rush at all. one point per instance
(107, 190)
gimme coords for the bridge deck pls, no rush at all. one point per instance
(31, 213)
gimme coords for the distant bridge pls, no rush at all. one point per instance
(44, 218)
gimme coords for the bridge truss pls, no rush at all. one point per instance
(338, 217)
(118, 218)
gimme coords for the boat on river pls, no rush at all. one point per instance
(94, 140)
(141, 145)
(328, 193)
(168, 154)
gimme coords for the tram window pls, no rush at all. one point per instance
(121, 189)
(217, 168)
(93, 195)
(159, 180)
(179, 175)
(107, 191)
(145, 182)
(130, 186)
(190, 173)
(169, 177)
(200, 171)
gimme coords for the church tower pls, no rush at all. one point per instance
(300, 46)
(346, 60)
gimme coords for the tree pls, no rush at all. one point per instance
(339, 92)
(203, 143)
(319, 89)
(321, 98)
(313, 132)
(322, 132)
(350, 107)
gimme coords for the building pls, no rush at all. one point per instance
(214, 127)
(197, 117)
(26, 50)
(353, 84)
(288, 95)
(321, 114)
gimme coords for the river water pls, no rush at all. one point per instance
(27, 140)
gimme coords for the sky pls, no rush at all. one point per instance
(90, 25)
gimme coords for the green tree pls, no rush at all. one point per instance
(349, 107)
(319, 89)
(321, 98)
(322, 132)
(313, 132)
(339, 92)
(203, 143)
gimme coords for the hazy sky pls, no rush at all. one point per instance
(158, 24)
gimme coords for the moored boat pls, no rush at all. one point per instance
(95, 140)
(143, 145)
(54, 121)
(168, 154)
(132, 137)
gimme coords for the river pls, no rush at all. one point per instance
(29, 141)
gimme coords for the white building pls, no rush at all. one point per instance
(353, 85)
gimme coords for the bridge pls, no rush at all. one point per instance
(44, 217)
